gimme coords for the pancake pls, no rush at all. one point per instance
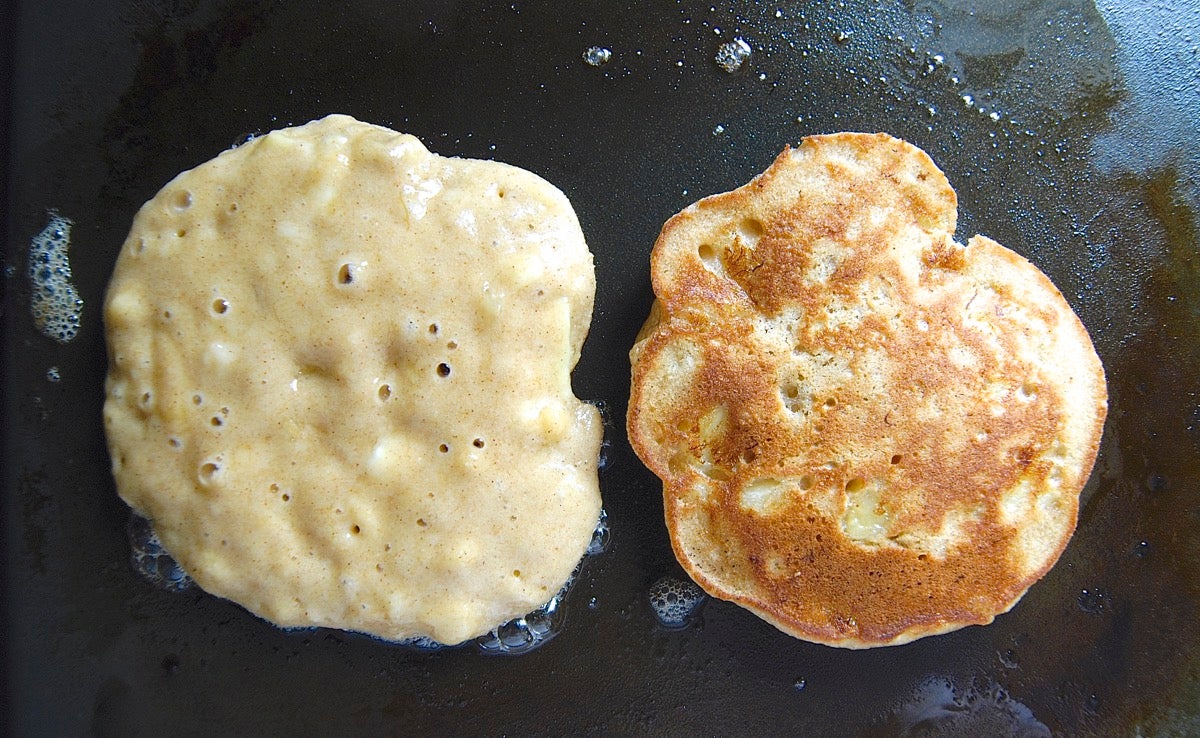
(867, 432)
(339, 382)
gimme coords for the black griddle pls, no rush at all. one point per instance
(1068, 130)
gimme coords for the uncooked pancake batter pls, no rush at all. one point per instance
(339, 382)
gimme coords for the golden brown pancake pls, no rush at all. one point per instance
(867, 433)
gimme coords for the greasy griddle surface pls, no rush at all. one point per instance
(1033, 111)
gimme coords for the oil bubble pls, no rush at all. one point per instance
(421, 643)
(732, 55)
(524, 634)
(53, 375)
(246, 138)
(517, 636)
(54, 301)
(597, 56)
(602, 463)
(601, 536)
(604, 459)
(675, 601)
(1093, 601)
(151, 560)
(1008, 659)
(938, 707)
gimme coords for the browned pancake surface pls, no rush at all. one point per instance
(867, 432)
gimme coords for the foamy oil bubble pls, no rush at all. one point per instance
(517, 636)
(675, 601)
(421, 643)
(524, 634)
(535, 629)
(54, 301)
(732, 55)
(596, 56)
(151, 560)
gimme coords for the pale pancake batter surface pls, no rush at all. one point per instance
(867, 433)
(339, 382)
